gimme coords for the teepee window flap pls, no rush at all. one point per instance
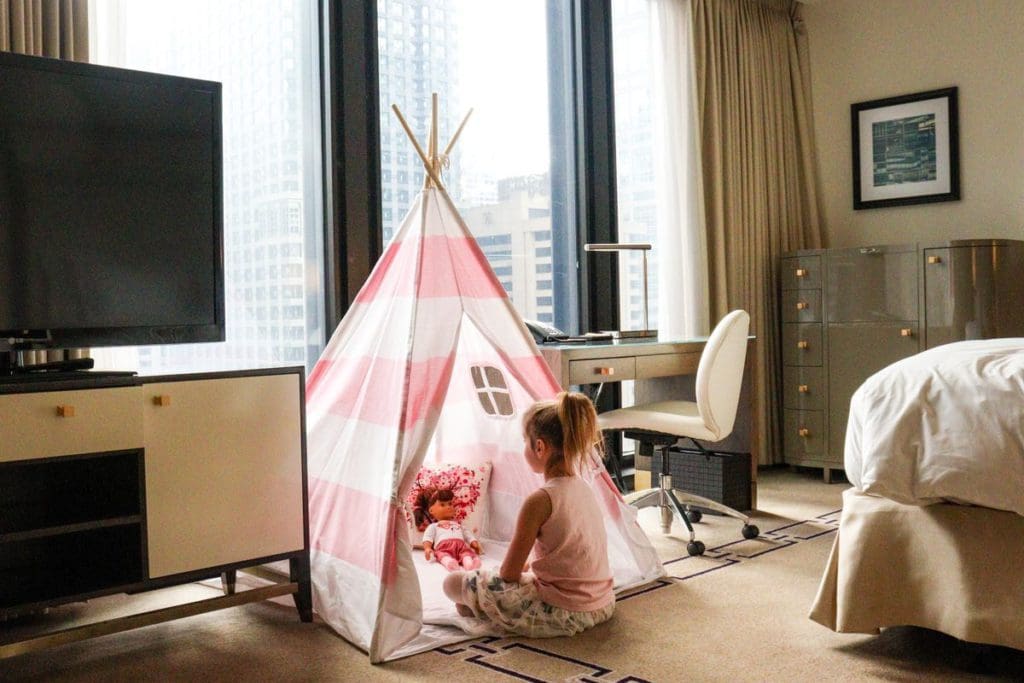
(492, 389)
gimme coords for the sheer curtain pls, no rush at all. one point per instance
(46, 28)
(760, 191)
(683, 276)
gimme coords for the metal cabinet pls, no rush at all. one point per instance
(848, 313)
(972, 291)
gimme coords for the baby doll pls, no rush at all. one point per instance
(446, 540)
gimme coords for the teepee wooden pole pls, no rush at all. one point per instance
(458, 132)
(419, 150)
(434, 126)
(431, 147)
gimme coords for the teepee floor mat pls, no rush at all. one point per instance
(437, 608)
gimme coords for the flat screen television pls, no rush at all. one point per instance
(111, 209)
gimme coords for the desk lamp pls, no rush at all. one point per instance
(630, 246)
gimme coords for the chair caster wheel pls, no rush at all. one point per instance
(695, 548)
(694, 515)
(750, 531)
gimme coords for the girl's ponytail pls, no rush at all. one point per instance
(569, 425)
(580, 432)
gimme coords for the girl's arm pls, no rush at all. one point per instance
(536, 510)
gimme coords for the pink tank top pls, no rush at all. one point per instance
(571, 551)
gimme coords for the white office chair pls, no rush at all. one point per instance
(710, 417)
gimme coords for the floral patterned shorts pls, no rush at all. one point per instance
(516, 608)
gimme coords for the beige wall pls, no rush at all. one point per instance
(871, 49)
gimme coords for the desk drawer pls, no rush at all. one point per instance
(94, 421)
(602, 370)
(667, 365)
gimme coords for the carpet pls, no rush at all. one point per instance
(739, 613)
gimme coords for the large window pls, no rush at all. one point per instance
(491, 56)
(265, 55)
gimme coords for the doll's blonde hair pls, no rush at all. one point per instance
(569, 426)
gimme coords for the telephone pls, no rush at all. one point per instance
(543, 332)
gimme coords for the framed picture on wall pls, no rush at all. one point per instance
(906, 150)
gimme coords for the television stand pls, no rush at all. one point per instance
(136, 484)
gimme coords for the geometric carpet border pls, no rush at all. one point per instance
(508, 655)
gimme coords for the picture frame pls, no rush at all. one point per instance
(906, 149)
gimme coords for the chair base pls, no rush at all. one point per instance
(677, 504)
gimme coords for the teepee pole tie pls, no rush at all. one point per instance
(419, 150)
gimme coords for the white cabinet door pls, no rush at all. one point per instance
(224, 476)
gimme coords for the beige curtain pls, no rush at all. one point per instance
(46, 28)
(760, 192)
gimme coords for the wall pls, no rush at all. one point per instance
(871, 49)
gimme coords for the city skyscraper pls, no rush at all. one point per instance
(273, 248)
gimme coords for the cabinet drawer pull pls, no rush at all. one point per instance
(801, 272)
(66, 411)
(803, 389)
(804, 432)
(803, 344)
(801, 305)
(934, 259)
(906, 332)
(162, 400)
(605, 371)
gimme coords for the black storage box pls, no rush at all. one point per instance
(721, 476)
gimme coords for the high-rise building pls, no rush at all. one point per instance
(418, 48)
(515, 235)
(272, 225)
(510, 217)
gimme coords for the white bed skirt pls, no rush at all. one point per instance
(951, 568)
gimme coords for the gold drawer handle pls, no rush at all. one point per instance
(66, 411)
(605, 371)
(803, 389)
(801, 305)
(803, 344)
(906, 332)
(934, 259)
(162, 400)
(801, 272)
(804, 432)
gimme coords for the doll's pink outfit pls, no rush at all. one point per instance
(450, 543)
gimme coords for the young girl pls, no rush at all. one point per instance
(569, 586)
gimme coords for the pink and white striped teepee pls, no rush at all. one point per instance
(431, 364)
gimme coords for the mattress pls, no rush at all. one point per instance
(951, 568)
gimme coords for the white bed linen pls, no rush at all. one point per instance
(944, 425)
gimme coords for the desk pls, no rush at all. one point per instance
(664, 370)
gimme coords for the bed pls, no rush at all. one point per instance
(932, 529)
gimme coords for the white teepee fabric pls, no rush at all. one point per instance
(394, 390)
